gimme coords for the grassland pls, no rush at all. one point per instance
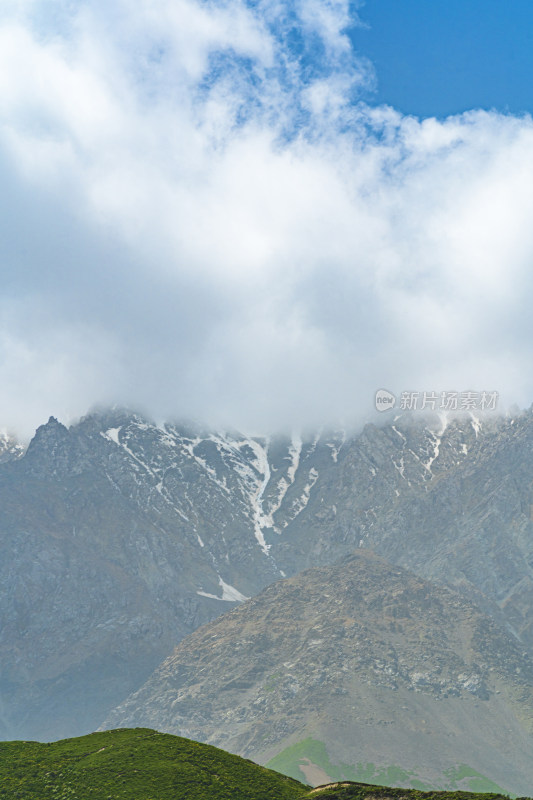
(314, 750)
(135, 764)
(457, 779)
(141, 764)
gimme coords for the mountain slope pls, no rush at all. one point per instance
(378, 666)
(136, 764)
(142, 764)
(451, 501)
(119, 537)
(115, 539)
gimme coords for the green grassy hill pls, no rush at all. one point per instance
(363, 791)
(135, 764)
(141, 764)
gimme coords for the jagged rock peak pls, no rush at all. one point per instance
(47, 446)
(53, 430)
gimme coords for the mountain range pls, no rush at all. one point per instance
(120, 537)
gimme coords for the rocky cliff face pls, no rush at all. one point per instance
(454, 505)
(120, 537)
(376, 664)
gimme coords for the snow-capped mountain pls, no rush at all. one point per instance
(119, 537)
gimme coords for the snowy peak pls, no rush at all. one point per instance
(151, 530)
(10, 448)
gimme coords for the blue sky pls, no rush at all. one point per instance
(435, 58)
(227, 210)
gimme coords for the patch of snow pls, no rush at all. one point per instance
(206, 594)
(199, 460)
(299, 505)
(435, 452)
(167, 438)
(476, 424)
(400, 434)
(267, 517)
(230, 593)
(335, 449)
(112, 434)
(139, 461)
(189, 447)
(199, 540)
(295, 451)
(315, 442)
(400, 467)
(263, 468)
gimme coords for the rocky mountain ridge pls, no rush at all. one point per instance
(375, 663)
(120, 537)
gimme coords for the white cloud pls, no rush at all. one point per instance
(191, 224)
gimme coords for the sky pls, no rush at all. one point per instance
(439, 58)
(257, 214)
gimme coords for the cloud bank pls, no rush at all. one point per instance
(200, 217)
